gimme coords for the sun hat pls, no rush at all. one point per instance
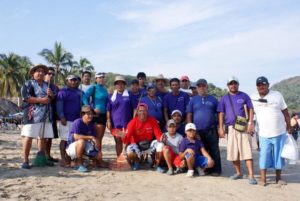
(34, 68)
(119, 78)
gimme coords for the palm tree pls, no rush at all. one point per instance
(83, 64)
(13, 73)
(59, 58)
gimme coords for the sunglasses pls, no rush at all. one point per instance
(262, 100)
(53, 74)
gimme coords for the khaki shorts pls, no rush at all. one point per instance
(239, 145)
(63, 131)
(38, 130)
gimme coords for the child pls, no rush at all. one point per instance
(191, 149)
(171, 140)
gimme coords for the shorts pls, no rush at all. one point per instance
(114, 131)
(134, 148)
(71, 150)
(270, 151)
(239, 145)
(172, 153)
(63, 131)
(100, 119)
(38, 130)
(200, 161)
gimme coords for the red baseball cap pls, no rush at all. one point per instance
(184, 77)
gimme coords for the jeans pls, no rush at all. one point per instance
(210, 139)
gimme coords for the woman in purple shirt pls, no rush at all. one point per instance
(119, 113)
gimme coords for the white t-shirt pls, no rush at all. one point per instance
(269, 116)
(84, 87)
(189, 91)
(174, 141)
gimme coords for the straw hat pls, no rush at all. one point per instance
(34, 68)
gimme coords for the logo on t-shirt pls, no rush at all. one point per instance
(240, 101)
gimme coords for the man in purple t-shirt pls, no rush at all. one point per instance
(82, 139)
(231, 105)
(68, 109)
(175, 100)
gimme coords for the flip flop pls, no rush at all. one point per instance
(236, 176)
(81, 168)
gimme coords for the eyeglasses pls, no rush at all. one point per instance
(232, 83)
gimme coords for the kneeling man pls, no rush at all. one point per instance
(82, 139)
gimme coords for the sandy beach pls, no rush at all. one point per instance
(57, 183)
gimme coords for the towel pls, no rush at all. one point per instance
(114, 96)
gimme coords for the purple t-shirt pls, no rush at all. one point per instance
(195, 145)
(178, 102)
(121, 110)
(79, 127)
(238, 101)
(68, 103)
(204, 111)
(134, 98)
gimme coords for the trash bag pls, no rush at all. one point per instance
(290, 148)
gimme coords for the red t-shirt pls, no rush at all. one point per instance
(138, 131)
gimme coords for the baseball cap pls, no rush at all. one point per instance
(201, 81)
(142, 105)
(262, 80)
(135, 81)
(232, 78)
(176, 111)
(71, 77)
(184, 77)
(100, 74)
(150, 85)
(193, 86)
(171, 121)
(190, 126)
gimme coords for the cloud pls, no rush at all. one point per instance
(172, 15)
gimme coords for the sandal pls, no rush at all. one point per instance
(25, 165)
(252, 181)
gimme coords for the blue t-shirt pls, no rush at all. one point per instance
(160, 94)
(176, 102)
(79, 127)
(194, 145)
(204, 110)
(238, 101)
(100, 100)
(135, 98)
(154, 107)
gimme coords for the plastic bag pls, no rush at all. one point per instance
(290, 148)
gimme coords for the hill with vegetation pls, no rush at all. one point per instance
(290, 89)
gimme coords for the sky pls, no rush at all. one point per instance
(198, 38)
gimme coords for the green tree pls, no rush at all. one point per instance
(13, 73)
(59, 58)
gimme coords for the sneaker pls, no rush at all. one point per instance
(236, 176)
(160, 169)
(252, 181)
(81, 168)
(25, 165)
(178, 171)
(170, 172)
(136, 166)
(200, 171)
(190, 173)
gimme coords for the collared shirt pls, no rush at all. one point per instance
(80, 128)
(35, 113)
(238, 101)
(68, 103)
(204, 111)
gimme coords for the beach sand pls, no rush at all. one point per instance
(57, 183)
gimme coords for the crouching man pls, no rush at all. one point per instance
(82, 139)
(140, 133)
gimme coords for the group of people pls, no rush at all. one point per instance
(178, 128)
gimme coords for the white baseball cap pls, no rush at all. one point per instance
(176, 111)
(190, 126)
